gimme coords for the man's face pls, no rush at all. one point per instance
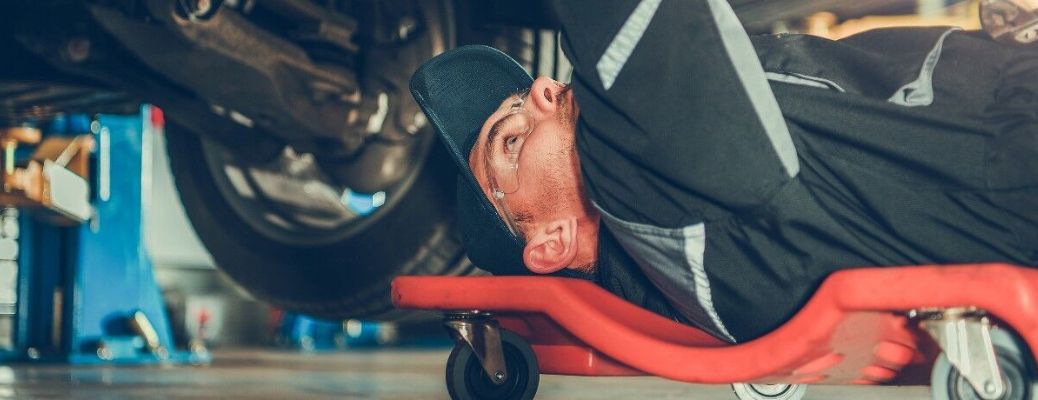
(546, 173)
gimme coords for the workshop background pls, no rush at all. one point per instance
(233, 244)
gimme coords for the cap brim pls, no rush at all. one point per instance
(458, 90)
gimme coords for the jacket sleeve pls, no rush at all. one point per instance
(676, 87)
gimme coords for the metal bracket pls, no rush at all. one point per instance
(1027, 35)
(142, 326)
(482, 334)
(965, 336)
(54, 179)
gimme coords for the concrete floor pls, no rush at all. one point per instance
(357, 375)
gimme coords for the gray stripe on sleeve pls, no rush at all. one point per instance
(673, 260)
(695, 248)
(744, 59)
(804, 80)
(623, 44)
(919, 93)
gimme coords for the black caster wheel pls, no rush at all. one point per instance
(1013, 361)
(755, 391)
(466, 379)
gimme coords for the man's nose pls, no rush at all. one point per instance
(543, 93)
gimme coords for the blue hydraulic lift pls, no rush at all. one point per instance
(86, 293)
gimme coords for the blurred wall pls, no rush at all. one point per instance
(190, 281)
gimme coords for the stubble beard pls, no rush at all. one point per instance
(562, 183)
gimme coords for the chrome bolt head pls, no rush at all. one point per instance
(203, 6)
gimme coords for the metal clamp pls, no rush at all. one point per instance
(964, 335)
(482, 334)
(54, 179)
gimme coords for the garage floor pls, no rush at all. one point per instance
(357, 375)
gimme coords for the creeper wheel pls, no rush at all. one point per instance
(1013, 362)
(754, 391)
(466, 379)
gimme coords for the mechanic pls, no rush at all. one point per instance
(717, 179)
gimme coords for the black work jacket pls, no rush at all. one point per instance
(736, 173)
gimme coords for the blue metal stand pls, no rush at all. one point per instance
(311, 334)
(81, 287)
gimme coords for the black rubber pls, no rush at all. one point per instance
(345, 279)
(349, 278)
(751, 391)
(466, 379)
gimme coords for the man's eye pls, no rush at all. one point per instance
(512, 143)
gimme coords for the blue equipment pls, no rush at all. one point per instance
(311, 334)
(86, 293)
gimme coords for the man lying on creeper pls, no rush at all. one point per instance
(717, 179)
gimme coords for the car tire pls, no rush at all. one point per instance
(348, 277)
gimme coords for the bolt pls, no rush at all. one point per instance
(104, 353)
(352, 97)
(989, 387)
(1029, 36)
(198, 10)
(405, 27)
(202, 7)
(417, 123)
(162, 353)
(77, 49)
(499, 376)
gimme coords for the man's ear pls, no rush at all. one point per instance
(552, 247)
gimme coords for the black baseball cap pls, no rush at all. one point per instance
(458, 90)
